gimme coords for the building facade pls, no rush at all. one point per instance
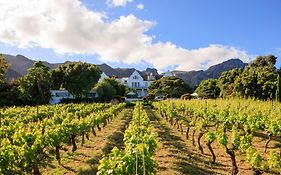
(136, 80)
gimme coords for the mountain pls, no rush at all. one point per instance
(19, 65)
(193, 78)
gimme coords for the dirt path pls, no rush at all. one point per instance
(175, 156)
(85, 160)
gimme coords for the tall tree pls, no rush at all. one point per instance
(226, 80)
(264, 63)
(258, 80)
(208, 88)
(105, 91)
(172, 86)
(278, 88)
(108, 88)
(3, 68)
(35, 86)
(78, 78)
(119, 87)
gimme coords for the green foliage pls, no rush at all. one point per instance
(274, 160)
(10, 94)
(35, 86)
(3, 68)
(140, 146)
(256, 84)
(57, 76)
(172, 86)
(253, 158)
(105, 91)
(226, 81)
(119, 87)
(78, 78)
(211, 136)
(264, 63)
(259, 80)
(278, 88)
(23, 139)
(208, 88)
(109, 88)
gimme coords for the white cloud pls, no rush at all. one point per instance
(117, 3)
(140, 6)
(68, 27)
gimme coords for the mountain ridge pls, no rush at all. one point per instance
(193, 78)
(20, 64)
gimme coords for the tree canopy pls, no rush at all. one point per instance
(258, 80)
(172, 86)
(3, 68)
(78, 78)
(109, 88)
(208, 88)
(35, 86)
(226, 81)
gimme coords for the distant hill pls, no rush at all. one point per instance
(193, 78)
(19, 65)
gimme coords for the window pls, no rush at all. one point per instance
(135, 77)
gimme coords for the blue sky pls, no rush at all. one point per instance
(178, 34)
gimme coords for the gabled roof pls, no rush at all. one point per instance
(126, 72)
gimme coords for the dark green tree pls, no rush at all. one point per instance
(57, 76)
(172, 86)
(119, 87)
(105, 91)
(35, 86)
(278, 88)
(264, 63)
(10, 94)
(208, 88)
(78, 78)
(258, 80)
(109, 88)
(3, 68)
(226, 81)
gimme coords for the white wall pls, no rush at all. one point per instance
(135, 80)
(103, 76)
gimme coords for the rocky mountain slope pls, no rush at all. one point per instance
(193, 78)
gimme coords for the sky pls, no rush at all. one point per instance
(164, 34)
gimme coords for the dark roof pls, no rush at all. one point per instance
(109, 71)
(126, 72)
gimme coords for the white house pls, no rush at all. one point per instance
(132, 78)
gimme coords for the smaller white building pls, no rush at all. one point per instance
(58, 95)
